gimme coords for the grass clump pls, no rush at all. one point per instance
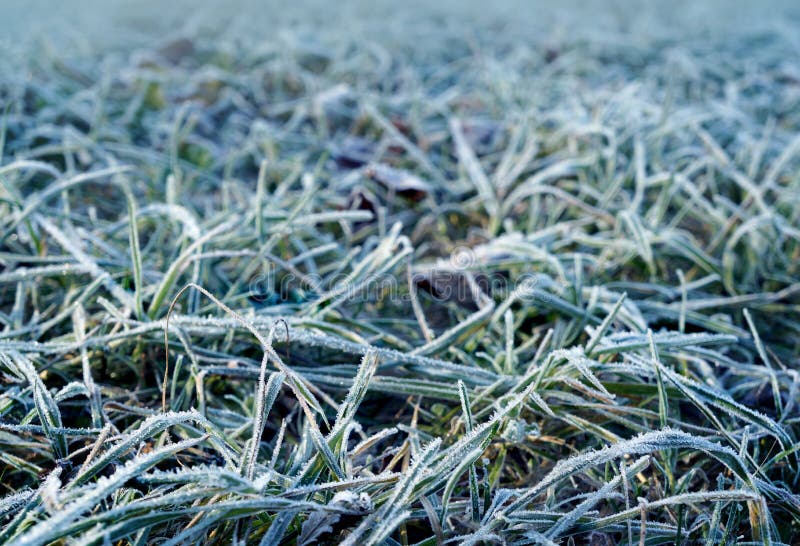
(263, 292)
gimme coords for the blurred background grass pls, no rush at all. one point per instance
(88, 24)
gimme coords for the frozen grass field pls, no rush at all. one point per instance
(379, 275)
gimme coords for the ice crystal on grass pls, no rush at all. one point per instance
(426, 276)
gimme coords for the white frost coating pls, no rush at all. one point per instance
(45, 531)
(149, 427)
(569, 519)
(393, 512)
(124, 297)
(49, 491)
(621, 342)
(643, 443)
(10, 503)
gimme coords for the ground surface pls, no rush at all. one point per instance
(428, 275)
